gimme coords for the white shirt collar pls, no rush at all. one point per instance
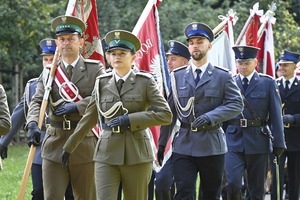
(291, 81)
(203, 68)
(248, 77)
(73, 63)
(124, 77)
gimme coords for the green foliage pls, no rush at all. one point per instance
(24, 23)
(12, 173)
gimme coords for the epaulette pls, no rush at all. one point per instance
(104, 75)
(33, 79)
(278, 79)
(179, 68)
(146, 74)
(222, 68)
(92, 61)
(265, 75)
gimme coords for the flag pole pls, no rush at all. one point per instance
(143, 17)
(248, 23)
(43, 109)
(270, 13)
(244, 30)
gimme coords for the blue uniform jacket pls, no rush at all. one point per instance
(18, 119)
(217, 96)
(263, 96)
(291, 106)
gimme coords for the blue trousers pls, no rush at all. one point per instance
(256, 166)
(210, 169)
(164, 178)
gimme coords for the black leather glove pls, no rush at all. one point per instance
(65, 159)
(65, 109)
(288, 119)
(160, 154)
(3, 151)
(277, 151)
(200, 121)
(34, 134)
(122, 120)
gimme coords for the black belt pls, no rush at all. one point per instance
(65, 125)
(117, 129)
(247, 122)
(201, 128)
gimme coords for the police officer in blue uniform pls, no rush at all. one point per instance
(178, 55)
(289, 89)
(18, 119)
(202, 97)
(249, 134)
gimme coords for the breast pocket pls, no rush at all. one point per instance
(133, 102)
(258, 95)
(106, 102)
(214, 97)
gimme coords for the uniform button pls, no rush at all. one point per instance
(138, 126)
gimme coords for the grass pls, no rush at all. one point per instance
(13, 170)
(12, 174)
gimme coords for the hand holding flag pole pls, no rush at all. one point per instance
(43, 109)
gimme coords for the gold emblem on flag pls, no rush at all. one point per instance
(117, 35)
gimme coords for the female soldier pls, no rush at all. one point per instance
(123, 152)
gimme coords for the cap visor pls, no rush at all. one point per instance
(121, 48)
(242, 60)
(286, 61)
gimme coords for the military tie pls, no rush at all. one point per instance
(286, 88)
(69, 70)
(197, 79)
(120, 84)
(245, 83)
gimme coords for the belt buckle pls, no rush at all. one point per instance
(66, 125)
(114, 129)
(243, 123)
(286, 126)
(194, 129)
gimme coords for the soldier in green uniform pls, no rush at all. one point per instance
(70, 94)
(123, 152)
(5, 122)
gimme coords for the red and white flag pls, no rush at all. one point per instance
(151, 55)
(221, 53)
(250, 38)
(86, 10)
(265, 56)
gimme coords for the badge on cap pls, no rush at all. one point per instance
(64, 20)
(172, 44)
(241, 49)
(49, 43)
(117, 35)
(194, 26)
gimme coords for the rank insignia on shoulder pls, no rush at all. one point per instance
(179, 68)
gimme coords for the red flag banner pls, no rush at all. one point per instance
(151, 55)
(86, 10)
(250, 38)
(265, 56)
